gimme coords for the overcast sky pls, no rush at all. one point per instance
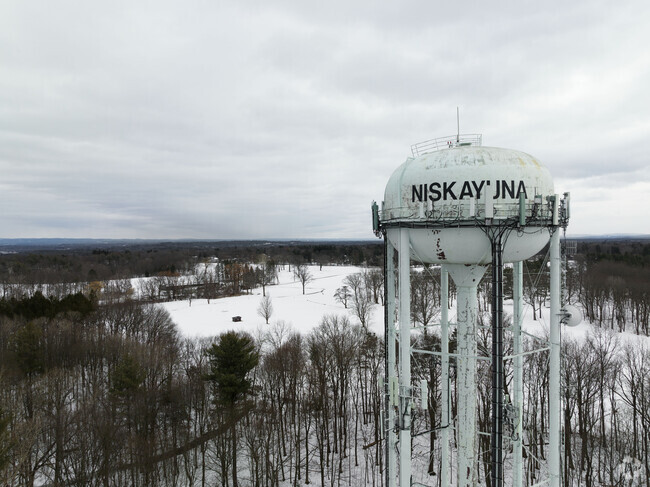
(285, 119)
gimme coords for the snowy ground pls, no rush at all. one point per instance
(301, 312)
(304, 312)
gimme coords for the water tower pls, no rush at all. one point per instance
(464, 206)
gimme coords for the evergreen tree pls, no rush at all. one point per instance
(231, 361)
(29, 350)
(127, 377)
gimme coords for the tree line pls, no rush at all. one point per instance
(87, 263)
(112, 395)
(117, 397)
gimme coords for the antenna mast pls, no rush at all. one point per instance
(457, 125)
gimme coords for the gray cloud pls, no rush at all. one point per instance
(285, 119)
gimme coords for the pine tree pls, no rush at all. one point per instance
(231, 361)
(29, 349)
(127, 377)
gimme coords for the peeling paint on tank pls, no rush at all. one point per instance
(439, 252)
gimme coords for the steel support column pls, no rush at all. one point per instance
(496, 433)
(445, 414)
(391, 437)
(554, 364)
(518, 386)
(466, 278)
(404, 358)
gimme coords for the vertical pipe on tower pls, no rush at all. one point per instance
(518, 387)
(554, 363)
(496, 435)
(405, 358)
(444, 364)
(391, 438)
(466, 278)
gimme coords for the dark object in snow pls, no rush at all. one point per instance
(236, 318)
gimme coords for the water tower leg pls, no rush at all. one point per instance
(554, 364)
(518, 386)
(466, 278)
(445, 418)
(496, 434)
(391, 437)
(405, 358)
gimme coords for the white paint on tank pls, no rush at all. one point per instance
(461, 185)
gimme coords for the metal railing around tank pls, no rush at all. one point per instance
(447, 142)
(536, 214)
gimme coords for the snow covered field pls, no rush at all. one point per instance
(304, 312)
(301, 312)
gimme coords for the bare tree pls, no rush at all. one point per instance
(343, 295)
(361, 307)
(424, 297)
(268, 274)
(265, 309)
(536, 285)
(374, 280)
(301, 272)
(361, 299)
(356, 284)
(149, 290)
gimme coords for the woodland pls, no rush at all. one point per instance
(98, 388)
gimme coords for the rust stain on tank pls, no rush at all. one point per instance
(439, 252)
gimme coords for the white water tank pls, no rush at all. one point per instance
(448, 198)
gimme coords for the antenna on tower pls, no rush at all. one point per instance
(457, 125)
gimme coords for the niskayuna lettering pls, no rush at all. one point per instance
(455, 190)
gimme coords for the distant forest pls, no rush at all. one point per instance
(97, 387)
(89, 261)
(85, 263)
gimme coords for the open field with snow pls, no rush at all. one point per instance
(304, 312)
(301, 312)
